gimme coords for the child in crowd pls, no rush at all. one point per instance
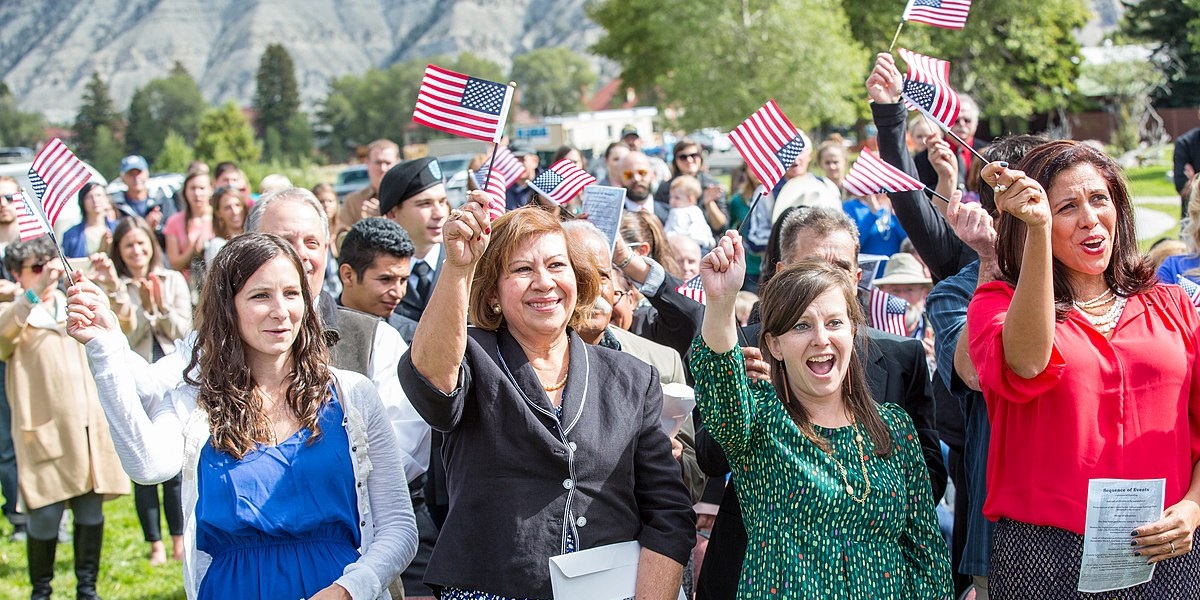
(685, 217)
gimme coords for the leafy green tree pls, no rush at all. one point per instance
(277, 101)
(96, 111)
(166, 105)
(552, 80)
(475, 66)
(107, 152)
(18, 128)
(224, 133)
(719, 61)
(176, 155)
(1173, 28)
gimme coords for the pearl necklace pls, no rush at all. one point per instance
(1098, 301)
(862, 457)
(1106, 322)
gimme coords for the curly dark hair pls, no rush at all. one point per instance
(227, 390)
(20, 251)
(371, 238)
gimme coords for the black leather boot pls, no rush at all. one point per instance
(88, 540)
(41, 565)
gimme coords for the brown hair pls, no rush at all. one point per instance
(226, 387)
(508, 233)
(183, 192)
(219, 226)
(640, 227)
(783, 302)
(124, 227)
(1128, 273)
(680, 146)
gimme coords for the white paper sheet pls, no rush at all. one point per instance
(678, 402)
(604, 206)
(1115, 507)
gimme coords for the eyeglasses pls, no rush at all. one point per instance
(36, 268)
(688, 157)
(619, 295)
(638, 172)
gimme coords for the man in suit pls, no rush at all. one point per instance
(413, 195)
(964, 127)
(896, 372)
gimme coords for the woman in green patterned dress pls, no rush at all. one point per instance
(835, 492)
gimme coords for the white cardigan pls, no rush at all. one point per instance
(155, 443)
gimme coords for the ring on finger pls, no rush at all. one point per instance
(1000, 187)
(1172, 547)
(456, 214)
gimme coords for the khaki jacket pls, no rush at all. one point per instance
(61, 439)
(351, 212)
(171, 323)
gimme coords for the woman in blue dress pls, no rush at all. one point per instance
(292, 480)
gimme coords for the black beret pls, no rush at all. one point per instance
(406, 180)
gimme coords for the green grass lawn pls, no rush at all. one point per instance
(125, 572)
(1151, 181)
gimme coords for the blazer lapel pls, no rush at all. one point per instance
(876, 371)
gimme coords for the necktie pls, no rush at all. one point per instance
(424, 279)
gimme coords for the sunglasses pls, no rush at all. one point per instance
(688, 157)
(37, 268)
(8, 198)
(639, 173)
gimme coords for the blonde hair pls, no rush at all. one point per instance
(688, 184)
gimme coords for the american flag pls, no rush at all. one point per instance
(56, 176)
(562, 181)
(1191, 288)
(692, 288)
(927, 88)
(30, 222)
(507, 166)
(494, 188)
(768, 142)
(462, 105)
(887, 312)
(947, 14)
(870, 175)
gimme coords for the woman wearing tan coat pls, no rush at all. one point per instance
(64, 453)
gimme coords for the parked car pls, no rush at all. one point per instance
(350, 180)
(163, 187)
(15, 154)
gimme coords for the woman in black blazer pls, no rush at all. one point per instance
(551, 445)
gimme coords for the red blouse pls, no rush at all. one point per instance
(1125, 408)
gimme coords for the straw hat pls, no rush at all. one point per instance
(903, 269)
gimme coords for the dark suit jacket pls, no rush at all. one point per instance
(412, 305)
(672, 320)
(521, 479)
(896, 372)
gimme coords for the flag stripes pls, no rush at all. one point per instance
(768, 142)
(462, 105)
(562, 181)
(870, 175)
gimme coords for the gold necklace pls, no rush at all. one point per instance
(557, 386)
(862, 456)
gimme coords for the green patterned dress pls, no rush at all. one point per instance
(806, 537)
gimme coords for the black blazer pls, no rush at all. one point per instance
(521, 480)
(672, 320)
(412, 305)
(896, 372)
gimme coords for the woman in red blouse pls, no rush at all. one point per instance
(1089, 370)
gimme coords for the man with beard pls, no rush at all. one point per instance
(639, 180)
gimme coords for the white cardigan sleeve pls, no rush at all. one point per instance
(393, 542)
(148, 438)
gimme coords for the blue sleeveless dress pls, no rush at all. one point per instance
(283, 521)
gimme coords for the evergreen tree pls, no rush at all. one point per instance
(1173, 28)
(18, 128)
(107, 152)
(95, 111)
(277, 101)
(175, 156)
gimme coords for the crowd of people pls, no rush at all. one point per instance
(898, 396)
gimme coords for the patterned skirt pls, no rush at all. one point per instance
(1032, 562)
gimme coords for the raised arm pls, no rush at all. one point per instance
(440, 341)
(1028, 332)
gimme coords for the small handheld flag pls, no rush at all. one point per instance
(506, 166)
(693, 289)
(462, 105)
(30, 221)
(769, 143)
(947, 14)
(870, 175)
(1190, 288)
(495, 189)
(56, 176)
(887, 312)
(562, 181)
(927, 88)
